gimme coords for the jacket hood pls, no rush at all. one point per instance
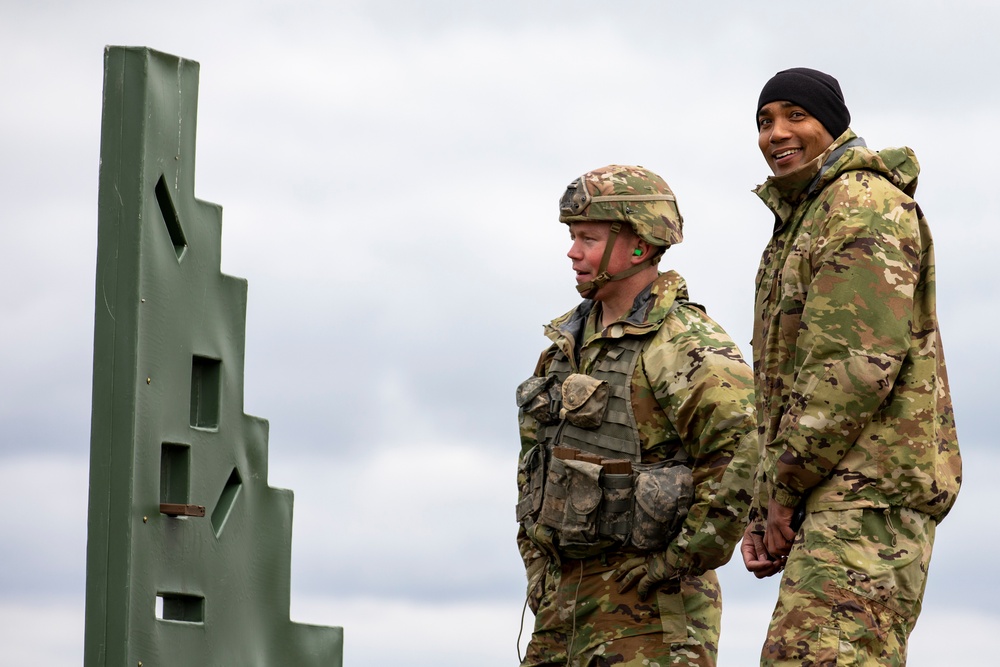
(848, 152)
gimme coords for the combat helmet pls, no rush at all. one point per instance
(623, 195)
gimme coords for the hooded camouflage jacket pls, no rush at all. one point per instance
(691, 389)
(852, 394)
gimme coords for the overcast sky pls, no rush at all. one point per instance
(389, 173)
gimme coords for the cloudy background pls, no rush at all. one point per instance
(389, 173)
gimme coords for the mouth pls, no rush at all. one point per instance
(788, 152)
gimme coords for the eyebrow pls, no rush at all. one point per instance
(783, 104)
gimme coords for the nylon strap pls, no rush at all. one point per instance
(588, 288)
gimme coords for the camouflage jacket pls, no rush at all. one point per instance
(691, 389)
(852, 394)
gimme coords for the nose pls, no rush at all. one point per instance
(779, 130)
(574, 251)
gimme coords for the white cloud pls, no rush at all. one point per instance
(42, 632)
(423, 518)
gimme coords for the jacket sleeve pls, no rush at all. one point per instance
(706, 391)
(859, 278)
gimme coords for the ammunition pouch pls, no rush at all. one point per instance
(571, 498)
(584, 400)
(663, 496)
(541, 398)
(530, 479)
(593, 504)
(575, 484)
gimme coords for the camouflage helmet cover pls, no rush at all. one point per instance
(632, 195)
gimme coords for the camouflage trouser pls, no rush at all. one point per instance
(852, 589)
(583, 621)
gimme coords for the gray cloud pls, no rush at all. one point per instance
(388, 173)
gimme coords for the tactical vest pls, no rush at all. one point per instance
(617, 435)
(584, 478)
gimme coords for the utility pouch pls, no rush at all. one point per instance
(617, 485)
(540, 398)
(554, 499)
(530, 479)
(584, 400)
(572, 497)
(662, 498)
(580, 520)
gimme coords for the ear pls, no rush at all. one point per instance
(644, 250)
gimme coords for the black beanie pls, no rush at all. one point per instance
(814, 91)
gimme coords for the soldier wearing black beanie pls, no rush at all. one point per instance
(855, 451)
(816, 92)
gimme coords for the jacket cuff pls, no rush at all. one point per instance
(785, 496)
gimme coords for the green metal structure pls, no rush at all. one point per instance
(189, 549)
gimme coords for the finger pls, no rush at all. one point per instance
(770, 572)
(752, 562)
(761, 564)
(773, 569)
(769, 542)
(757, 566)
(644, 588)
(631, 579)
(782, 547)
(775, 542)
(752, 549)
(627, 567)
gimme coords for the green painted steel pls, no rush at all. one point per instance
(167, 587)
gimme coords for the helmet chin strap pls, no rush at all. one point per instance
(588, 289)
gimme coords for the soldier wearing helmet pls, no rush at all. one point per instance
(629, 198)
(637, 445)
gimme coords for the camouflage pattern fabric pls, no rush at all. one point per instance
(632, 195)
(854, 409)
(852, 393)
(690, 391)
(851, 590)
(585, 622)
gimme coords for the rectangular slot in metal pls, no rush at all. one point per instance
(180, 607)
(175, 473)
(206, 392)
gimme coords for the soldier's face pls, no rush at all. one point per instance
(586, 250)
(790, 136)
